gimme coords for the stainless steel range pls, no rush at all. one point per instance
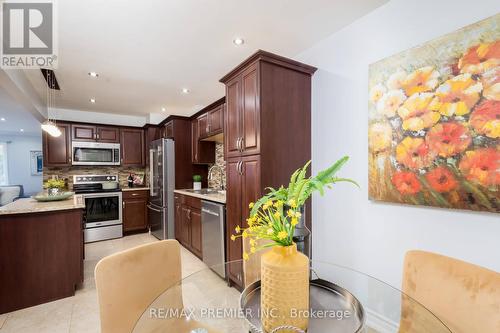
(103, 206)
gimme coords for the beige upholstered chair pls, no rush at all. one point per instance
(129, 281)
(465, 297)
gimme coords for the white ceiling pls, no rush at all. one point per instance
(16, 118)
(146, 51)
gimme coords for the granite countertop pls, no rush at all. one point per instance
(139, 188)
(216, 197)
(29, 205)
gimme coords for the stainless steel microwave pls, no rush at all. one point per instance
(95, 153)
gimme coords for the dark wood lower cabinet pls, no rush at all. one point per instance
(188, 223)
(135, 210)
(41, 257)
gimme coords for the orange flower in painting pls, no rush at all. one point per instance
(486, 119)
(380, 137)
(448, 139)
(458, 95)
(406, 182)
(421, 80)
(414, 153)
(482, 166)
(419, 112)
(491, 84)
(441, 179)
(480, 58)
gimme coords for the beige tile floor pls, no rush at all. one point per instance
(80, 313)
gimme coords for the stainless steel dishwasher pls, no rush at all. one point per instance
(213, 218)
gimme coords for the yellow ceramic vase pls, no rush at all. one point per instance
(285, 288)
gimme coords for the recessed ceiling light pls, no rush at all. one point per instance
(93, 74)
(2, 119)
(238, 41)
(92, 100)
(185, 90)
(163, 109)
(22, 130)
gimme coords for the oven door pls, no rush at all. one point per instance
(95, 153)
(102, 209)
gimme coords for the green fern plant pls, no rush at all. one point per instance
(275, 215)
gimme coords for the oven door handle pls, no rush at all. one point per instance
(154, 209)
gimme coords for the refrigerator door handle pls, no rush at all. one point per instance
(151, 174)
(154, 209)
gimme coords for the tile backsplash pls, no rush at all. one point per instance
(219, 160)
(69, 172)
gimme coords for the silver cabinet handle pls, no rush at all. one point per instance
(238, 144)
(206, 211)
(135, 194)
(123, 204)
(241, 144)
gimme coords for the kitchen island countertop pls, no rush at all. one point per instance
(29, 205)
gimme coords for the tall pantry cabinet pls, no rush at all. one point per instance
(267, 136)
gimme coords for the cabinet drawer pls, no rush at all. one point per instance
(135, 194)
(192, 202)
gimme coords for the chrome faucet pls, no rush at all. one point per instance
(221, 172)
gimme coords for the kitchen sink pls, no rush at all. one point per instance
(207, 191)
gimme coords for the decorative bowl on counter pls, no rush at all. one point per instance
(54, 197)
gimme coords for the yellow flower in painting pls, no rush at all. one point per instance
(292, 203)
(282, 235)
(414, 153)
(294, 221)
(491, 84)
(419, 112)
(395, 81)
(390, 102)
(252, 249)
(421, 80)
(458, 95)
(250, 205)
(233, 238)
(380, 137)
(377, 92)
(290, 213)
(277, 215)
(270, 231)
(237, 229)
(245, 256)
(480, 58)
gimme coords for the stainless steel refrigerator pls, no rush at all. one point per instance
(161, 187)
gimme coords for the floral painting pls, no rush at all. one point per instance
(434, 122)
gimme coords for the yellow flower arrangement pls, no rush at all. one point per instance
(275, 216)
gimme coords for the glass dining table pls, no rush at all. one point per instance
(342, 300)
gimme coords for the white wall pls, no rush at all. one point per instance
(348, 228)
(18, 158)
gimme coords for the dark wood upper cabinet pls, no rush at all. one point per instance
(232, 118)
(135, 210)
(203, 126)
(57, 151)
(132, 147)
(152, 133)
(81, 132)
(216, 121)
(250, 111)
(84, 132)
(108, 134)
(202, 152)
(169, 129)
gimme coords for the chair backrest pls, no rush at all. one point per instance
(127, 282)
(9, 193)
(464, 296)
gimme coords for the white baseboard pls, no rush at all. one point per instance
(380, 323)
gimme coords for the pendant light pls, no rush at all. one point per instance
(50, 126)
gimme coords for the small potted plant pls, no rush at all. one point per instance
(284, 270)
(196, 182)
(54, 186)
